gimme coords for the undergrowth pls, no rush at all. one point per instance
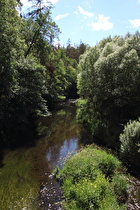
(93, 179)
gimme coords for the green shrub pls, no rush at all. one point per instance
(110, 203)
(88, 162)
(79, 166)
(89, 178)
(70, 205)
(89, 193)
(130, 142)
(107, 163)
(120, 186)
(69, 188)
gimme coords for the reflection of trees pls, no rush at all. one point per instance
(64, 127)
(61, 127)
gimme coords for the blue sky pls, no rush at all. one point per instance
(90, 21)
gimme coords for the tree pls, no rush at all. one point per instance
(32, 72)
(76, 51)
(62, 74)
(10, 49)
(130, 142)
(109, 80)
(22, 80)
(40, 28)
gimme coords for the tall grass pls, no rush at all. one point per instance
(92, 179)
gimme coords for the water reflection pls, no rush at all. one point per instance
(69, 147)
(60, 141)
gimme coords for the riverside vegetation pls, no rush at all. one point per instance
(94, 179)
(108, 109)
(35, 75)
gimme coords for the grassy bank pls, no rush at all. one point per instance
(18, 188)
(94, 179)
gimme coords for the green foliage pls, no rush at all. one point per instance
(74, 52)
(88, 194)
(89, 177)
(109, 80)
(110, 202)
(41, 28)
(92, 161)
(32, 86)
(61, 75)
(33, 73)
(130, 142)
(108, 164)
(120, 185)
(56, 172)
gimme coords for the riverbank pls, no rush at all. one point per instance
(25, 172)
(91, 176)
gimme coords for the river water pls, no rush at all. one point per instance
(26, 173)
(60, 142)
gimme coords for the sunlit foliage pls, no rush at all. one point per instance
(90, 177)
(130, 142)
(109, 81)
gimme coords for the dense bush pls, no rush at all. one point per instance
(90, 177)
(130, 142)
(108, 82)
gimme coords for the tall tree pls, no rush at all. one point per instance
(39, 19)
(10, 50)
(22, 80)
(109, 80)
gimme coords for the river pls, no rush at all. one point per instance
(26, 176)
(26, 173)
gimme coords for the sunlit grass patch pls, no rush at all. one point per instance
(90, 177)
(18, 188)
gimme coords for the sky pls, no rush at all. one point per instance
(90, 21)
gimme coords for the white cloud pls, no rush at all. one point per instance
(135, 23)
(58, 17)
(138, 1)
(102, 24)
(86, 13)
(53, 1)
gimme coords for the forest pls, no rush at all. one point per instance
(108, 84)
(35, 75)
